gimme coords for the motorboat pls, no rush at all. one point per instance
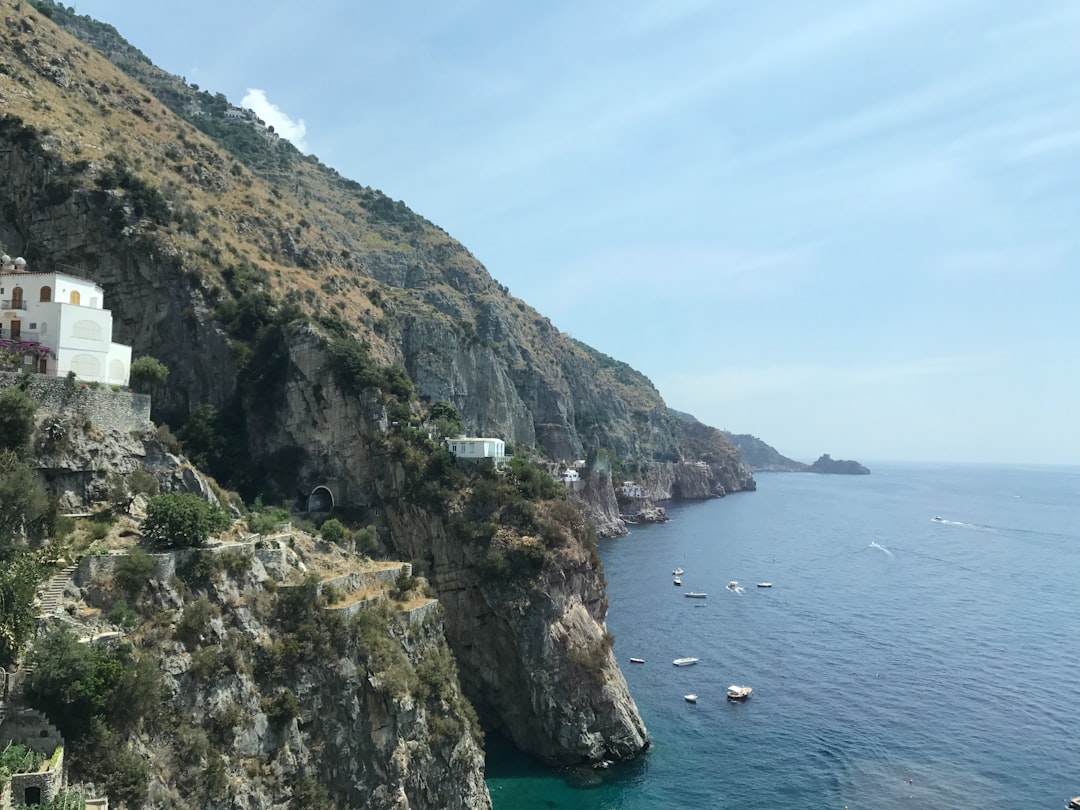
(678, 581)
(764, 584)
(938, 519)
(637, 660)
(690, 698)
(684, 662)
(678, 572)
(732, 585)
(1074, 803)
(738, 692)
(695, 595)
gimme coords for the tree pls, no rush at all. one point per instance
(447, 419)
(19, 578)
(203, 439)
(16, 419)
(333, 531)
(147, 371)
(182, 520)
(22, 501)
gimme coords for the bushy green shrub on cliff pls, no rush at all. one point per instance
(147, 371)
(182, 520)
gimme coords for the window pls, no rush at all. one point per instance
(33, 327)
(87, 330)
(45, 296)
(74, 298)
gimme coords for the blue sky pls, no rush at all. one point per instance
(844, 227)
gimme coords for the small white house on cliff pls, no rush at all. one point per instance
(476, 448)
(56, 323)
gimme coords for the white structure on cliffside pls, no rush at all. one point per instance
(475, 447)
(56, 323)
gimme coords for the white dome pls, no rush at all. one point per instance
(5, 259)
(20, 262)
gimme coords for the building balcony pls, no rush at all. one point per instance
(19, 336)
(9, 303)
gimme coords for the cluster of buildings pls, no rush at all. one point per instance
(239, 115)
(56, 324)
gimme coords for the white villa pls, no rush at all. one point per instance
(472, 447)
(56, 323)
(630, 489)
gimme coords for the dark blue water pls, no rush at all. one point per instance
(948, 654)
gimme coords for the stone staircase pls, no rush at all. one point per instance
(53, 591)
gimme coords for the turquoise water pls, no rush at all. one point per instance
(937, 668)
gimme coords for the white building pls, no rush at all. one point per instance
(630, 489)
(55, 323)
(569, 476)
(471, 447)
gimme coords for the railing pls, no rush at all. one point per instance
(20, 335)
(11, 303)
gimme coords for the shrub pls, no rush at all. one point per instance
(147, 371)
(282, 708)
(142, 482)
(194, 622)
(16, 420)
(333, 531)
(123, 616)
(183, 520)
(133, 571)
(307, 794)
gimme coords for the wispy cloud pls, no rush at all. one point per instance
(291, 130)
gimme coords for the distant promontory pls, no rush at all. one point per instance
(761, 457)
(828, 464)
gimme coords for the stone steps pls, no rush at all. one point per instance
(53, 590)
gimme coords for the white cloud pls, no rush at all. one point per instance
(274, 116)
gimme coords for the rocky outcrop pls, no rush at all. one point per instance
(834, 466)
(597, 499)
(372, 730)
(536, 660)
(761, 457)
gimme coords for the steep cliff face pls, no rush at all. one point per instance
(270, 692)
(536, 656)
(215, 266)
(519, 647)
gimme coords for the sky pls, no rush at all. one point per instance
(844, 226)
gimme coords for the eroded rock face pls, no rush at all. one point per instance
(348, 729)
(535, 660)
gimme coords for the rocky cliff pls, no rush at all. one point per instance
(761, 457)
(317, 316)
(273, 694)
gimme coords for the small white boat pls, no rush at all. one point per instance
(637, 660)
(684, 662)
(938, 519)
(738, 692)
(678, 572)
(764, 584)
(690, 698)
(694, 595)
(678, 581)
(733, 585)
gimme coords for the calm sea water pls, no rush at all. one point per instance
(937, 668)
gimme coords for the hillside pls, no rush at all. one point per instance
(762, 457)
(309, 325)
(244, 231)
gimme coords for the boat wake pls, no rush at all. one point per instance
(875, 544)
(735, 588)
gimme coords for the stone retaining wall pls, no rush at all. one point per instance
(105, 408)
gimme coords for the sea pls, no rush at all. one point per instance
(897, 661)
